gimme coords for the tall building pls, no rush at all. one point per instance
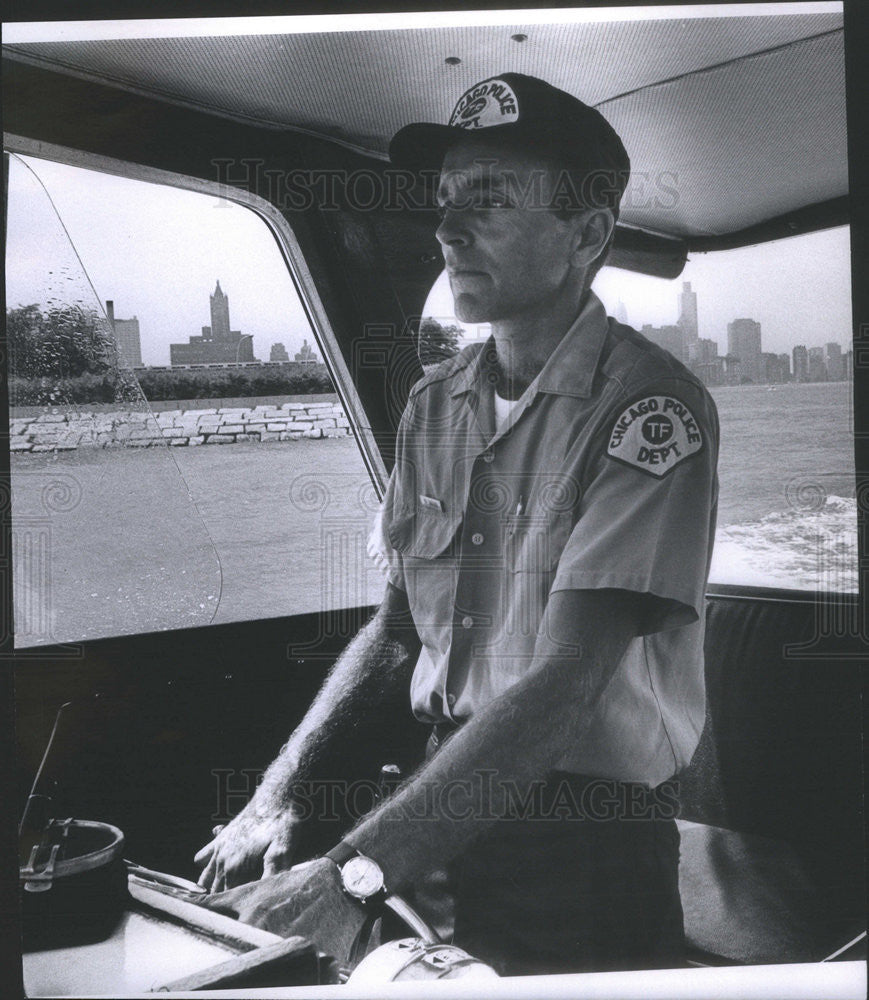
(743, 341)
(218, 343)
(733, 370)
(278, 353)
(219, 315)
(704, 361)
(835, 363)
(668, 337)
(702, 351)
(688, 315)
(713, 372)
(306, 355)
(774, 368)
(682, 338)
(127, 338)
(817, 365)
(801, 363)
(621, 313)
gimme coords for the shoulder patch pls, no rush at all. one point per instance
(654, 434)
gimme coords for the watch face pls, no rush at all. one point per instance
(362, 877)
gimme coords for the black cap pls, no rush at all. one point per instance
(528, 114)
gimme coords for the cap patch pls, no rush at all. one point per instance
(486, 104)
(655, 434)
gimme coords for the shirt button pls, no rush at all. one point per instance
(451, 699)
(477, 538)
(488, 456)
(467, 621)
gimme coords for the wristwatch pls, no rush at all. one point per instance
(361, 876)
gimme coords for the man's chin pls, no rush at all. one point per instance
(469, 309)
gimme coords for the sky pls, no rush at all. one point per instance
(799, 290)
(155, 251)
(158, 252)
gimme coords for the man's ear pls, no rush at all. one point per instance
(592, 235)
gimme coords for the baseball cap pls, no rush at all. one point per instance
(526, 113)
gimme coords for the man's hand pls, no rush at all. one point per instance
(307, 900)
(372, 672)
(250, 846)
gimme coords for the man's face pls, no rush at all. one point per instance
(507, 254)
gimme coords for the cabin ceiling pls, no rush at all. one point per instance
(729, 122)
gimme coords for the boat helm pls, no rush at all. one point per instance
(409, 959)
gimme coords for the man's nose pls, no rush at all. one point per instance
(452, 230)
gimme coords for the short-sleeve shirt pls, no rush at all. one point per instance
(602, 476)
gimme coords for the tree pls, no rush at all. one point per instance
(64, 342)
(51, 352)
(23, 340)
(437, 342)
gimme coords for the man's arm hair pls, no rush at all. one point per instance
(343, 737)
(359, 712)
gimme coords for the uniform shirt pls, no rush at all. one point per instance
(603, 475)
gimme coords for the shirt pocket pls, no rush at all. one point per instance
(533, 543)
(425, 533)
(425, 541)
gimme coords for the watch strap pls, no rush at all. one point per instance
(341, 853)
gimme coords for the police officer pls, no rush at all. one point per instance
(547, 533)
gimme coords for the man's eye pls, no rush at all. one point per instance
(493, 201)
(482, 203)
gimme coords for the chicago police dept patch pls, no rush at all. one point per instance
(655, 434)
(490, 103)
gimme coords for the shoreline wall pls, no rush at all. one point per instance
(104, 427)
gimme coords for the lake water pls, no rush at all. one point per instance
(788, 510)
(117, 541)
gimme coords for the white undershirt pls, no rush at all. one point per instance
(503, 408)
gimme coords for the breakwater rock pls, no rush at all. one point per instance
(57, 430)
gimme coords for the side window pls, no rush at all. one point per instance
(440, 333)
(179, 455)
(768, 330)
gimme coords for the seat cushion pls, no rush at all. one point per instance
(753, 900)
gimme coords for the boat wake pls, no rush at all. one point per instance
(796, 549)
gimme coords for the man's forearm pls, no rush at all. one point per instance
(512, 742)
(374, 668)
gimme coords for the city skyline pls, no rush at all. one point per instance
(745, 360)
(147, 247)
(217, 344)
(796, 297)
